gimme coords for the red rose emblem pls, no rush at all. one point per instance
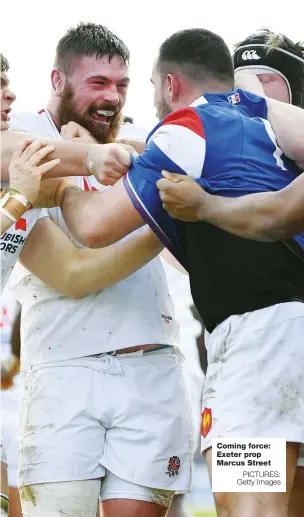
(174, 463)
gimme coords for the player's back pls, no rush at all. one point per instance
(238, 275)
(242, 155)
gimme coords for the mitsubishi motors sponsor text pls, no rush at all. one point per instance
(11, 241)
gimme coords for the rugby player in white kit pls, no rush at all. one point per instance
(76, 270)
(105, 412)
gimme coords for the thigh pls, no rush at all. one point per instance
(122, 498)
(255, 383)
(255, 504)
(71, 499)
(61, 438)
(296, 501)
(150, 440)
(10, 415)
(4, 490)
(14, 502)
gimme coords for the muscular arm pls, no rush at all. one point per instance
(101, 218)
(266, 216)
(72, 155)
(98, 219)
(50, 255)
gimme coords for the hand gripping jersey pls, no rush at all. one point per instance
(136, 311)
(226, 143)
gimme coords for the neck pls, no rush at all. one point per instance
(208, 87)
(52, 107)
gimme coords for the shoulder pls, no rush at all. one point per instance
(131, 131)
(25, 122)
(185, 118)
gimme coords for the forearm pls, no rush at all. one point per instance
(287, 122)
(72, 155)
(98, 219)
(93, 270)
(74, 272)
(265, 216)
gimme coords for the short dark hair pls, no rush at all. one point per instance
(88, 39)
(197, 53)
(4, 63)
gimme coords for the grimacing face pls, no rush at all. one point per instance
(94, 95)
(7, 98)
(275, 87)
(161, 94)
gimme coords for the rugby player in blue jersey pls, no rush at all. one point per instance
(249, 294)
(266, 216)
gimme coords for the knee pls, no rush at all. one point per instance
(68, 498)
(28, 494)
(222, 503)
(132, 508)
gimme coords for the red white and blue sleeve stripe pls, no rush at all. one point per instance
(178, 145)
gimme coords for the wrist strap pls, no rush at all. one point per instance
(20, 197)
(89, 166)
(12, 207)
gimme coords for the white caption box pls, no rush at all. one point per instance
(248, 465)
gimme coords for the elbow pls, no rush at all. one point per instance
(94, 235)
(70, 289)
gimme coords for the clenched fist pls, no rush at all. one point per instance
(109, 162)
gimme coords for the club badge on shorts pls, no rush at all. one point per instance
(206, 421)
(173, 466)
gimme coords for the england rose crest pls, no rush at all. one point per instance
(173, 466)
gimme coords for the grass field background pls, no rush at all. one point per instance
(200, 502)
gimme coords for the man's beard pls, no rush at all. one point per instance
(67, 113)
(163, 109)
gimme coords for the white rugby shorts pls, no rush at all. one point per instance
(127, 414)
(255, 378)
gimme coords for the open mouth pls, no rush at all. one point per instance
(104, 116)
